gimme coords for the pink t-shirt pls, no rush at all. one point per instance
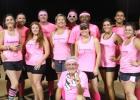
(75, 33)
(23, 32)
(33, 53)
(61, 49)
(129, 54)
(72, 93)
(14, 41)
(120, 31)
(48, 29)
(86, 55)
(108, 48)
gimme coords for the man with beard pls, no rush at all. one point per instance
(72, 18)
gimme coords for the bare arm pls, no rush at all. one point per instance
(46, 49)
(118, 40)
(51, 40)
(137, 45)
(76, 49)
(2, 47)
(98, 53)
(58, 94)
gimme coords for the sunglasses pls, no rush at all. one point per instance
(71, 64)
(72, 16)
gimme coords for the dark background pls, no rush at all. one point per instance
(99, 9)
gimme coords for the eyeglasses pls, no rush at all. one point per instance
(71, 64)
(72, 16)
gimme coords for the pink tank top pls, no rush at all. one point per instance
(33, 53)
(61, 49)
(108, 48)
(86, 55)
(128, 54)
(14, 41)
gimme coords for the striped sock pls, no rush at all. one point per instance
(12, 93)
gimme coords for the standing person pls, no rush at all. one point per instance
(59, 41)
(47, 29)
(75, 33)
(10, 44)
(72, 18)
(73, 82)
(129, 62)
(88, 52)
(119, 28)
(22, 29)
(109, 41)
(37, 50)
(20, 22)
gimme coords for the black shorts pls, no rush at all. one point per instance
(133, 77)
(50, 73)
(90, 75)
(31, 69)
(108, 69)
(16, 65)
(112, 69)
(87, 98)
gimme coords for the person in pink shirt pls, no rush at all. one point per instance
(20, 22)
(88, 52)
(73, 82)
(109, 41)
(129, 62)
(72, 18)
(11, 46)
(119, 28)
(59, 42)
(47, 29)
(75, 33)
(46, 26)
(22, 29)
(37, 50)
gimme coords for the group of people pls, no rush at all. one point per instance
(72, 53)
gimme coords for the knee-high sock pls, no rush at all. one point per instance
(51, 87)
(137, 93)
(96, 96)
(12, 93)
(21, 88)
